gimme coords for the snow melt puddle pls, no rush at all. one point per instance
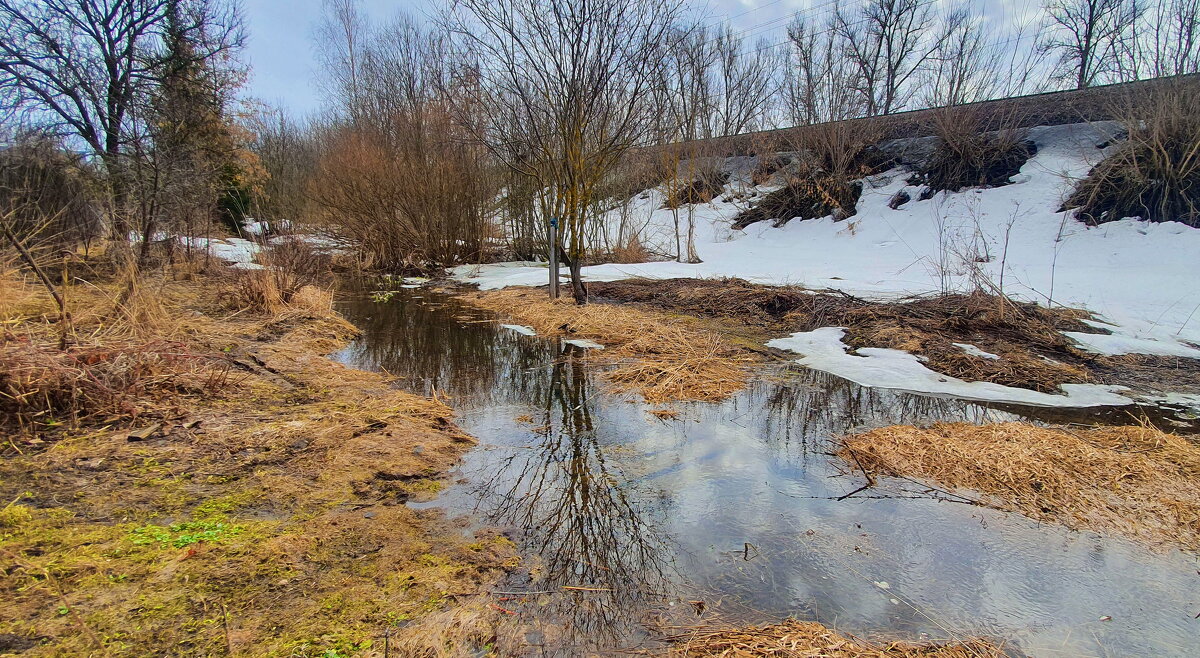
(736, 505)
(877, 367)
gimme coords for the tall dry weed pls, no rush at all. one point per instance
(1155, 173)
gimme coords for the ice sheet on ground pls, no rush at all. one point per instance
(584, 343)
(975, 351)
(521, 329)
(823, 349)
(1128, 272)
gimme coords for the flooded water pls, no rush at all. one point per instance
(734, 512)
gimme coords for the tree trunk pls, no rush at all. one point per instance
(693, 257)
(574, 265)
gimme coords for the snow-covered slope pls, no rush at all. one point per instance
(1141, 278)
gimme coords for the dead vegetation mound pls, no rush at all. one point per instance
(1028, 338)
(804, 198)
(42, 386)
(707, 184)
(1155, 173)
(1134, 481)
(663, 358)
(974, 160)
(806, 638)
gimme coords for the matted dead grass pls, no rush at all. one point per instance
(662, 357)
(811, 639)
(1134, 481)
(185, 520)
(1028, 338)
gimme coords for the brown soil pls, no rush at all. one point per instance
(1133, 481)
(1027, 338)
(663, 357)
(262, 515)
(799, 638)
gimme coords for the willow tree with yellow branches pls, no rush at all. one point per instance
(566, 85)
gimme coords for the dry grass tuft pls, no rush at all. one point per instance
(41, 386)
(663, 358)
(1155, 173)
(806, 638)
(967, 155)
(1134, 481)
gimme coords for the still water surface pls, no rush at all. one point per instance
(732, 511)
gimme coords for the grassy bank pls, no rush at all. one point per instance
(190, 478)
(662, 356)
(1134, 481)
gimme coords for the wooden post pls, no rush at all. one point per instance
(553, 258)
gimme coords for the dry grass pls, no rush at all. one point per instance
(973, 151)
(1021, 334)
(41, 386)
(662, 358)
(1133, 481)
(810, 639)
(1155, 173)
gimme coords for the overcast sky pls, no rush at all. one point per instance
(280, 47)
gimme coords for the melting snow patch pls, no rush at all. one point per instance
(521, 329)
(1124, 341)
(896, 369)
(584, 343)
(975, 351)
(233, 250)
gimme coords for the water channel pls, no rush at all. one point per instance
(732, 512)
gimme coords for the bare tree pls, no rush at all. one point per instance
(1170, 41)
(339, 44)
(746, 82)
(819, 83)
(90, 65)
(566, 88)
(888, 42)
(1093, 39)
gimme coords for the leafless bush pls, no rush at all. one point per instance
(298, 261)
(632, 251)
(291, 271)
(703, 179)
(638, 171)
(1155, 173)
(46, 192)
(407, 193)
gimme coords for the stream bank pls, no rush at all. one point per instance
(630, 523)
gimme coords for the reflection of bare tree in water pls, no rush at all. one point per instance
(432, 342)
(593, 534)
(810, 407)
